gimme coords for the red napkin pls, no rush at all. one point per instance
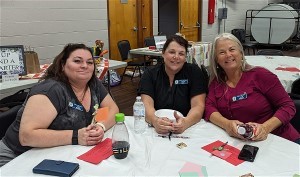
(232, 158)
(291, 69)
(100, 152)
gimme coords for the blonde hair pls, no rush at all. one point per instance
(215, 70)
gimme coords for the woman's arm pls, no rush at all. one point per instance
(38, 114)
(230, 126)
(194, 115)
(213, 115)
(273, 90)
(262, 130)
(160, 125)
(282, 104)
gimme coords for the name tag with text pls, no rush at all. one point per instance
(181, 82)
(240, 97)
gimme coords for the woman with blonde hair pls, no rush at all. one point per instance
(243, 94)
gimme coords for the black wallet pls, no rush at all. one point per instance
(56, 168)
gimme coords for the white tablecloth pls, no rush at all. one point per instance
(150, 155)
(272, 62)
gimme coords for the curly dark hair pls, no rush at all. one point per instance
(55, 70)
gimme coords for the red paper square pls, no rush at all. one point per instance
(233, 158)
(100, 152)
(222, 154)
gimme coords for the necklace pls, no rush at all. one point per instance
(83, 94)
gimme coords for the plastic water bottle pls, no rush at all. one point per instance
(139, 116)
(120, 138)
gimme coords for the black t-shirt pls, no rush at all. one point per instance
(188, 82)
(71, 113)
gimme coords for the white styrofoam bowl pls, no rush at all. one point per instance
(169, 113)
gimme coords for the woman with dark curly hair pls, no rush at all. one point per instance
(59, 109)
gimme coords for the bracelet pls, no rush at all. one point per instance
(101, 125)
(75, 137)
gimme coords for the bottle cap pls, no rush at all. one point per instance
(120, 117)
(241, 130)
(138, 97)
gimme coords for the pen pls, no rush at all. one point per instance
(170, 134)
(174, 136)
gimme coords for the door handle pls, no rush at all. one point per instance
(135, 28)
(144, 27)
(187, 27)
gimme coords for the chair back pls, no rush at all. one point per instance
(7, 118)
(205, 74)
(149, 41)
(240, 34)
(295, 121)
(295, 96)
(295, 89)
(272, 52)
(124, 48)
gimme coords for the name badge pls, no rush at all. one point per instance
(181, 82)
(75, 106)
(240, 97)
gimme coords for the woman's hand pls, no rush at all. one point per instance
(260, 132)
(179, 125)
(91, 135)
(163, 125)
(231, 128)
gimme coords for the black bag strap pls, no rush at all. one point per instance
(16, 99)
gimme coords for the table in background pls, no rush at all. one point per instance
(9, 88)
(272, 62)
(113, 64)
(144, 51)
(150, 155)
(198, 53)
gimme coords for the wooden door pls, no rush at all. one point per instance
(190, 19)
(145, 21)
(122, 25)
(130, 20)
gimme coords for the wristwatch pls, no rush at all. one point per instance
(75, 137)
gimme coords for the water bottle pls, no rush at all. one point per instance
(139, 116)
(120, 138)
(247, 131)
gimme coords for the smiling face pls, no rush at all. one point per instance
(174, 57)
(228, 55)
(79, 66)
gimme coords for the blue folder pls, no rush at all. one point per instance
(56, 168)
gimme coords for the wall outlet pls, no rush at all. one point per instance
(222, 13)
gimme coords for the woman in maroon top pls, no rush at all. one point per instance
(240, 93)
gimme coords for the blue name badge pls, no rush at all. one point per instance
(181, 82)
(240, 97)
(75, 106)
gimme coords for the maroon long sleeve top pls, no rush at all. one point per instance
(257, 97)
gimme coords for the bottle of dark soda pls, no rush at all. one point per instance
(120, 138)
(247, 131)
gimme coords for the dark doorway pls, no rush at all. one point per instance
(168, 17)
